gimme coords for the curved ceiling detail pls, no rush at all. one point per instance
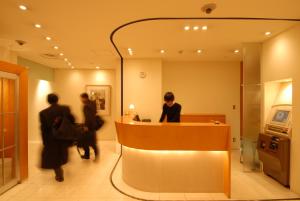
(126, 25)
(225, 34)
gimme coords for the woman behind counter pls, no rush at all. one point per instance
(170, 109)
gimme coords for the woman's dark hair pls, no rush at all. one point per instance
(84, 95)
(52, 98)
(169, 96)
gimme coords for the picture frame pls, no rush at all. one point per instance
(101, 94)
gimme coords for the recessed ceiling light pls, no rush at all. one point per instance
(204, 28)
(236, 51)
(23, 7)
(195, 28)
(162, 51)
(61, 54)
(130, 51)
(65, 59)
(48, 38)
(199, 51)
(187, 28)
(97, 67)
(69, 64)
(72, 67)
(37, 26)
(55, 47)
(268, 33)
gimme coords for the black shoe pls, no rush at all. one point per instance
(59, 179)
(59, 174)
(85, 157)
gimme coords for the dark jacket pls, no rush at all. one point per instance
(172, 113)
(55, 152)
(90, 111)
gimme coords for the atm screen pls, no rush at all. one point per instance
(281, 116)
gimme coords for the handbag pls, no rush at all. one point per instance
(64, 129)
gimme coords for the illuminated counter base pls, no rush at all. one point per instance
(179, 158)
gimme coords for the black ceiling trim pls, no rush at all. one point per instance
(113, 33)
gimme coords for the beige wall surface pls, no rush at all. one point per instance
(144, 93)
(69, 84)
(206, 87)
(280, 60)
(39, 86)
(7, 55)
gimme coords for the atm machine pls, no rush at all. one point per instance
(274, 144)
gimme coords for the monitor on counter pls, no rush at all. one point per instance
(281, 115)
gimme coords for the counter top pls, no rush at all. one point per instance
(173, 136)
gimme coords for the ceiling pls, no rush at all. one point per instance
(217, 43)
(81, 29)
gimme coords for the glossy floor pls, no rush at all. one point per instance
(89, 181)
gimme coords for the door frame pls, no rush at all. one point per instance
(22, 132)
(14, 181)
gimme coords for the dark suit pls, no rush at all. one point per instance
(55, 152)
(90, 111)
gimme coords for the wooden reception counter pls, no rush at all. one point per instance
(175, 157)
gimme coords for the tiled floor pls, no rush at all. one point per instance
(89, 181)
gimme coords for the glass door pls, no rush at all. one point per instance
(8, 130)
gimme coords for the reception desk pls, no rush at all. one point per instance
(175, 157)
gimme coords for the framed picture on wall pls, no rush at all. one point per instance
(101, 95)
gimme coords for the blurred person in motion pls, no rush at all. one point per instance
(90, 126)
(55, 151)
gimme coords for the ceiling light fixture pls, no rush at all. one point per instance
(204, 28)
(268, 33)
(48, 38)
(55, 47)
(199, 51)
(186, 28)
(162, 51)
(72, 67)
(65, 59)
(97, 67)
(130, 51)
(37, 26)
(195, 28)
(69, 64)
(61, 54)
(236, 51)
(23, 7)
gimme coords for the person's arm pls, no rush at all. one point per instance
(69, 115)
(43, 128)
(163, 114)
(176, 117)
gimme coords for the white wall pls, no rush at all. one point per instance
(69, 84)
(280, 60)
(7, 55)
(206, 87)
(40, 84)
(144, 93)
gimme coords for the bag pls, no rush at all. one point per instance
(99, 122)
(64, 129)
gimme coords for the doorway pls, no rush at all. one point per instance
(8, 130)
